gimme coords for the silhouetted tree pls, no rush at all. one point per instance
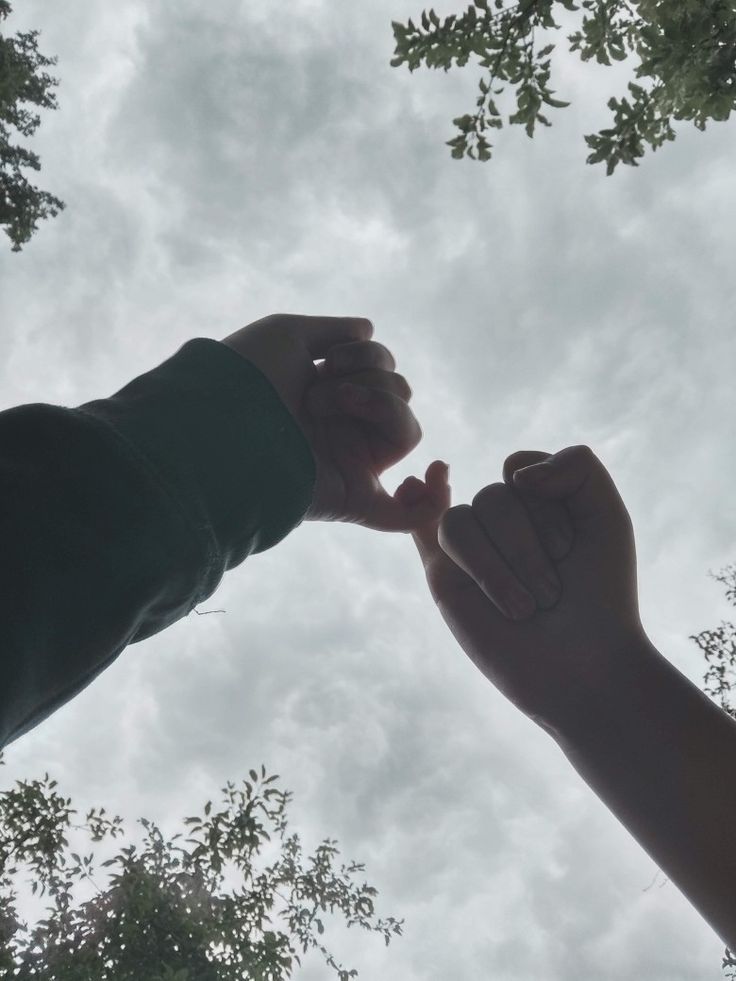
(686, 47)
(163, 915)
(22, 83)
(719, 649)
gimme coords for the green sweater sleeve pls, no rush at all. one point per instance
(118, 517)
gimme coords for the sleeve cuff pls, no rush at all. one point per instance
(212, 431)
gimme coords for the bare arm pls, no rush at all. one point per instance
(662, 757)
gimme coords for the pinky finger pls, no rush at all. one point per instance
(434, 486)
(436, 479)
(411, 491)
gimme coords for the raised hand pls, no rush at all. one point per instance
(352, 441)
(537, 578)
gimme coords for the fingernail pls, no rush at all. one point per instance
(356, 393)
(557, 543)
(549, 590)
(519, 605)
(533, 475)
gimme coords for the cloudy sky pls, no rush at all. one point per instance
(226, 161)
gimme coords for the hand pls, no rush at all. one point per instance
(352, 442)
(559, 523)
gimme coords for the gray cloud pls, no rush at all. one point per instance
(221, 164)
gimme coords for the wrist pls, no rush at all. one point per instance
(626, 680)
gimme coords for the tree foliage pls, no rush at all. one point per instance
(719, 649)
(22, 83)
(163, 915)
(687, 48)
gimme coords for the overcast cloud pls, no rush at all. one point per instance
(223, 162)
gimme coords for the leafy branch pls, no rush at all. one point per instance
(688, 49)
(164, 907)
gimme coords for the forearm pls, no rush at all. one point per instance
(662, 757)
(122, 514)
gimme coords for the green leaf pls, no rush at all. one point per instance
(555, 103)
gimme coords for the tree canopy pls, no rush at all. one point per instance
(686, 49)
(162, 915)
(23, 83)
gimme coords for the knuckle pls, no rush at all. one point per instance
(454, 519)
(383, 353)
(522, 458)
(403, 386)
(495, 496)
(584, 452)
(510, 463)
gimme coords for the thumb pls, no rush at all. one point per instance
(319, 334)
(574, 475)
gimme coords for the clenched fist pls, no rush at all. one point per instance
(352, 408)
(536, 578)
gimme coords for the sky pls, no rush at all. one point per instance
(223, 162)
